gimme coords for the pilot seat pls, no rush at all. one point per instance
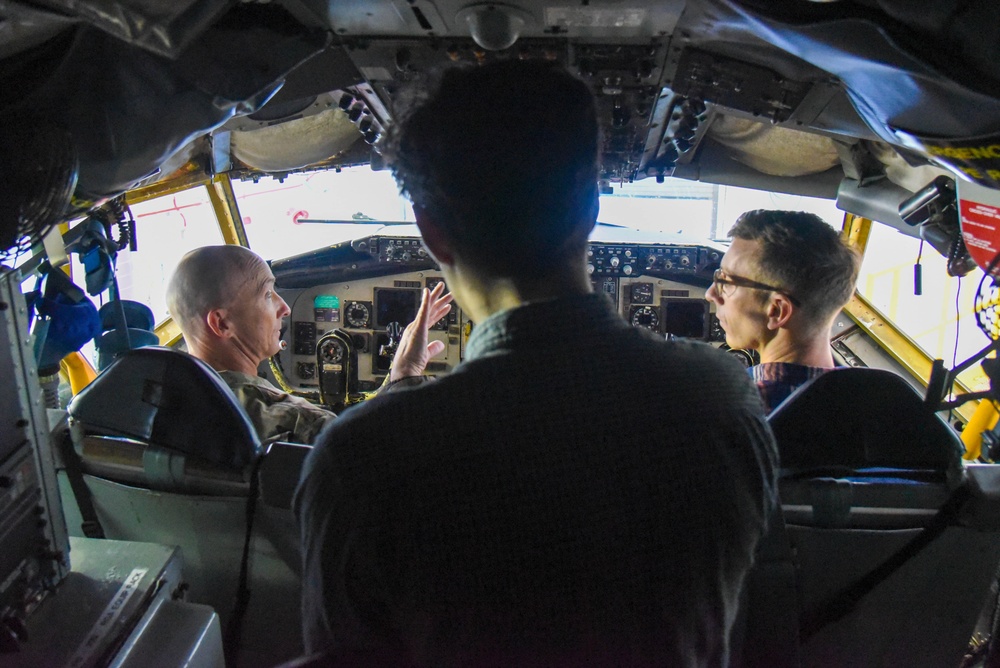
(886, 545)
(161, 452)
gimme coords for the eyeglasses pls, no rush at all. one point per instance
(721, 280)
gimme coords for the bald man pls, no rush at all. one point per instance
(224, 301)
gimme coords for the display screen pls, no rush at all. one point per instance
(326, 301)
(687, 318)
(395, 306)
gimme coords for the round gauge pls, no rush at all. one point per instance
(646, 316)
(331, 352)
(642, 293)
(357, 315)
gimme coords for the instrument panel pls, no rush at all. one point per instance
(351, 302)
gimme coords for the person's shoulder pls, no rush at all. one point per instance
(688, 352)
(235, 379)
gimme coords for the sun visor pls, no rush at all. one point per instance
(892, 87)
(161, 27)
(133, 109)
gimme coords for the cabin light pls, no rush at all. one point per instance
(494, 26)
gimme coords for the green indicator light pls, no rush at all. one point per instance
(326, 301)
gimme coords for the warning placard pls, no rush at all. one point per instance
(976, 159)
(979, 208)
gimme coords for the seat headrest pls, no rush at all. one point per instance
(861, 418)
(170, 399)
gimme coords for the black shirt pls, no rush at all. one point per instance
(577, 490)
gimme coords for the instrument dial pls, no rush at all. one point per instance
(646, 316)
(357, 314)
(331, 352)
(642, 293)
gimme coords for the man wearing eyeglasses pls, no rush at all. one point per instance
(779, 288)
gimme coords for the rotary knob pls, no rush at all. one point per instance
(627, 270)
(590, 268)
(615, 261)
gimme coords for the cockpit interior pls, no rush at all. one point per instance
(141, 519)
(347, 299)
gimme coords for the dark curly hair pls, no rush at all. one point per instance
(503, 157)
(801, 253)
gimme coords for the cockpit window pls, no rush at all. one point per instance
(307, 211)
(932, 318)
(166, 228)
(699, 210)
(300, 212)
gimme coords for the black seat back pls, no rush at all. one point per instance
(866, 465)
(861, 418)
(172, 400)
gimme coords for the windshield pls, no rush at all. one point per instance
(303, 212)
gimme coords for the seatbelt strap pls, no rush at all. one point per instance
(843, 602)
(771, 622)
(234, 629)
(91, 526)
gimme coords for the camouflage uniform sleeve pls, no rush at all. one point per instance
(275, 413)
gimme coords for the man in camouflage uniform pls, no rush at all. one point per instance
(224, 301)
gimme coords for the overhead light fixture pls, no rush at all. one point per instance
(494, 26)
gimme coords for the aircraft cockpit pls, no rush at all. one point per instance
(139, 130)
